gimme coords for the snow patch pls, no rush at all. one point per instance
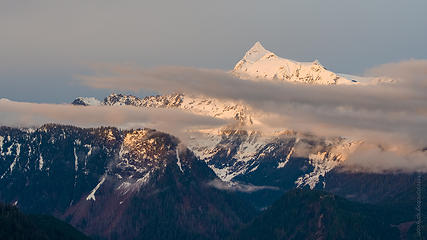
(282, 164)
(203, 144)
(76, 162)
(89, 147)
(178, 162)
(323, 162)
(41, 162)
(254, 169)
(91, 196)
(226, 174)
(1, 145)
(18, 151)
(134, 186)
(9, 149)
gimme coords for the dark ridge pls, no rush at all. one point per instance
(311, 214)
(16, 225)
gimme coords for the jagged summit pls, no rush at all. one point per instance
(259, 63)
(256, 52)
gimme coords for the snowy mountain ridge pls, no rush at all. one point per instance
(235, 153)
(261, 64)
(196, 104)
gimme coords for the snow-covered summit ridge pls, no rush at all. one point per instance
(86, 101)
(200, 105)
(261, 64)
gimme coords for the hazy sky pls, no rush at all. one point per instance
(45, 44)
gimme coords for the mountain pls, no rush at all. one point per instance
(142, 184)
(310, 214)
(195, 104)
(116, 184)
(284, 160)
(261, 64)
(278, 161)
(17, 225)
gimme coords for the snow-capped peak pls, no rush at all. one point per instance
(261, 64)
(256, 52)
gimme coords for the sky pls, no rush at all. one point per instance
(44, 45)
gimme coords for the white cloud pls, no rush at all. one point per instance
(174, 121)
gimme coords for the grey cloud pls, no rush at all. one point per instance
(217, 83)
(374, 158)
(400, 108)
(174, 121)
(386, 114)
(411, 72)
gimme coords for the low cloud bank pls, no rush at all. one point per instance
(411, 72)
(399, 109)
(386, 115)
(174, 121)
(378, 159)
(239, 187)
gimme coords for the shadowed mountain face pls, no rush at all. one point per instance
(310, 214)
(142, 184)
(116, 184)
(16, 225)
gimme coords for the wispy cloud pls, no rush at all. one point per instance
(399, 108)
(238, 187)
(378, 159)
(174, 121)
(410, 72)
